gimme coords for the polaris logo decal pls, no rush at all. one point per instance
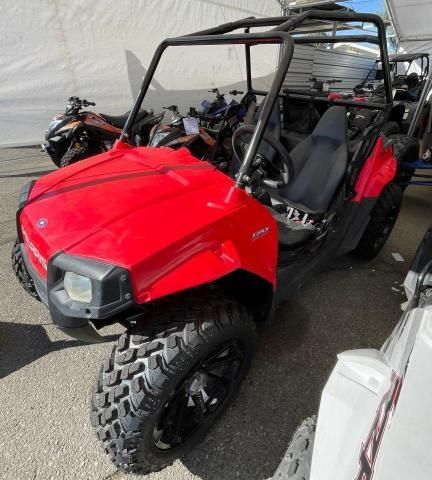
(369, 449)
(34, 250)
(259, 233)
(42, 222)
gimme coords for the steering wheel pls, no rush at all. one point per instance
(282, 167)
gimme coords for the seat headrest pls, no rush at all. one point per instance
(412, 80)
(333, 125)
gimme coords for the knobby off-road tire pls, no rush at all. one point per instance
(390, 128)
(297, 462)
(73, 155)
(406, 150)
(147, 372)
(382, 220)
(21, 273)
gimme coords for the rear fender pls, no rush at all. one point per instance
(379, 170)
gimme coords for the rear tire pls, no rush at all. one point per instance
(20, 270)
(142, 409)
(382, 220)
(297, 462)
(390, 128)
(406, 150)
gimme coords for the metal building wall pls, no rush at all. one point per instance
(325, 64)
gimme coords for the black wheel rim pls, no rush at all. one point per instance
(200, 396)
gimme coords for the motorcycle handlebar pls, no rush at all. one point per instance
(76, 101)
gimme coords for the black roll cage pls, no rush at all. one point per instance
(410, 58)
(279, 34)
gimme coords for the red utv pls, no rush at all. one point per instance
(188, 259)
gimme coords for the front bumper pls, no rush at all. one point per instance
(55, 149)
(112, 295)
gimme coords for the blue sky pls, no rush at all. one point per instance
(371, 6)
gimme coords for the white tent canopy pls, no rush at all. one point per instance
(50, 50)
(412, 21)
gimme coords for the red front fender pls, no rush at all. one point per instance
(245, 238)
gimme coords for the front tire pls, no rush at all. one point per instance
(382, 220)
(73, 155)
(163, 388)
(20, 270)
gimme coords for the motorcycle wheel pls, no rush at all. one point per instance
(73, 155)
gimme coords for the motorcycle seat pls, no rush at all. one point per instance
(120, 120)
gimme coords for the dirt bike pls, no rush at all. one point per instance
(77, 134)
(213, 111)
(194, 132)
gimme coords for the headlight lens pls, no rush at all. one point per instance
(158, 137)
(78, 287)
(54, 122)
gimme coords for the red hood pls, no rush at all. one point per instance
(123, 205)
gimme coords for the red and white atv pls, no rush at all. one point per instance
(188, 258)
(374, 420)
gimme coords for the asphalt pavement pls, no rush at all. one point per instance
(46, 378)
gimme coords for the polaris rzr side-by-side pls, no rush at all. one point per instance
(410, 116)
(407, 88)
(189, 258)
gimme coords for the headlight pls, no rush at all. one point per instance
(54, 122)
(81, 289)
(158, 137)
(78, 287)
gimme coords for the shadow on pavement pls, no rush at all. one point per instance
(22, 344)
(351, 306)
(27, 174)
(253, 434)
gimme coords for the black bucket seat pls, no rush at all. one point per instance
(320, 162)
